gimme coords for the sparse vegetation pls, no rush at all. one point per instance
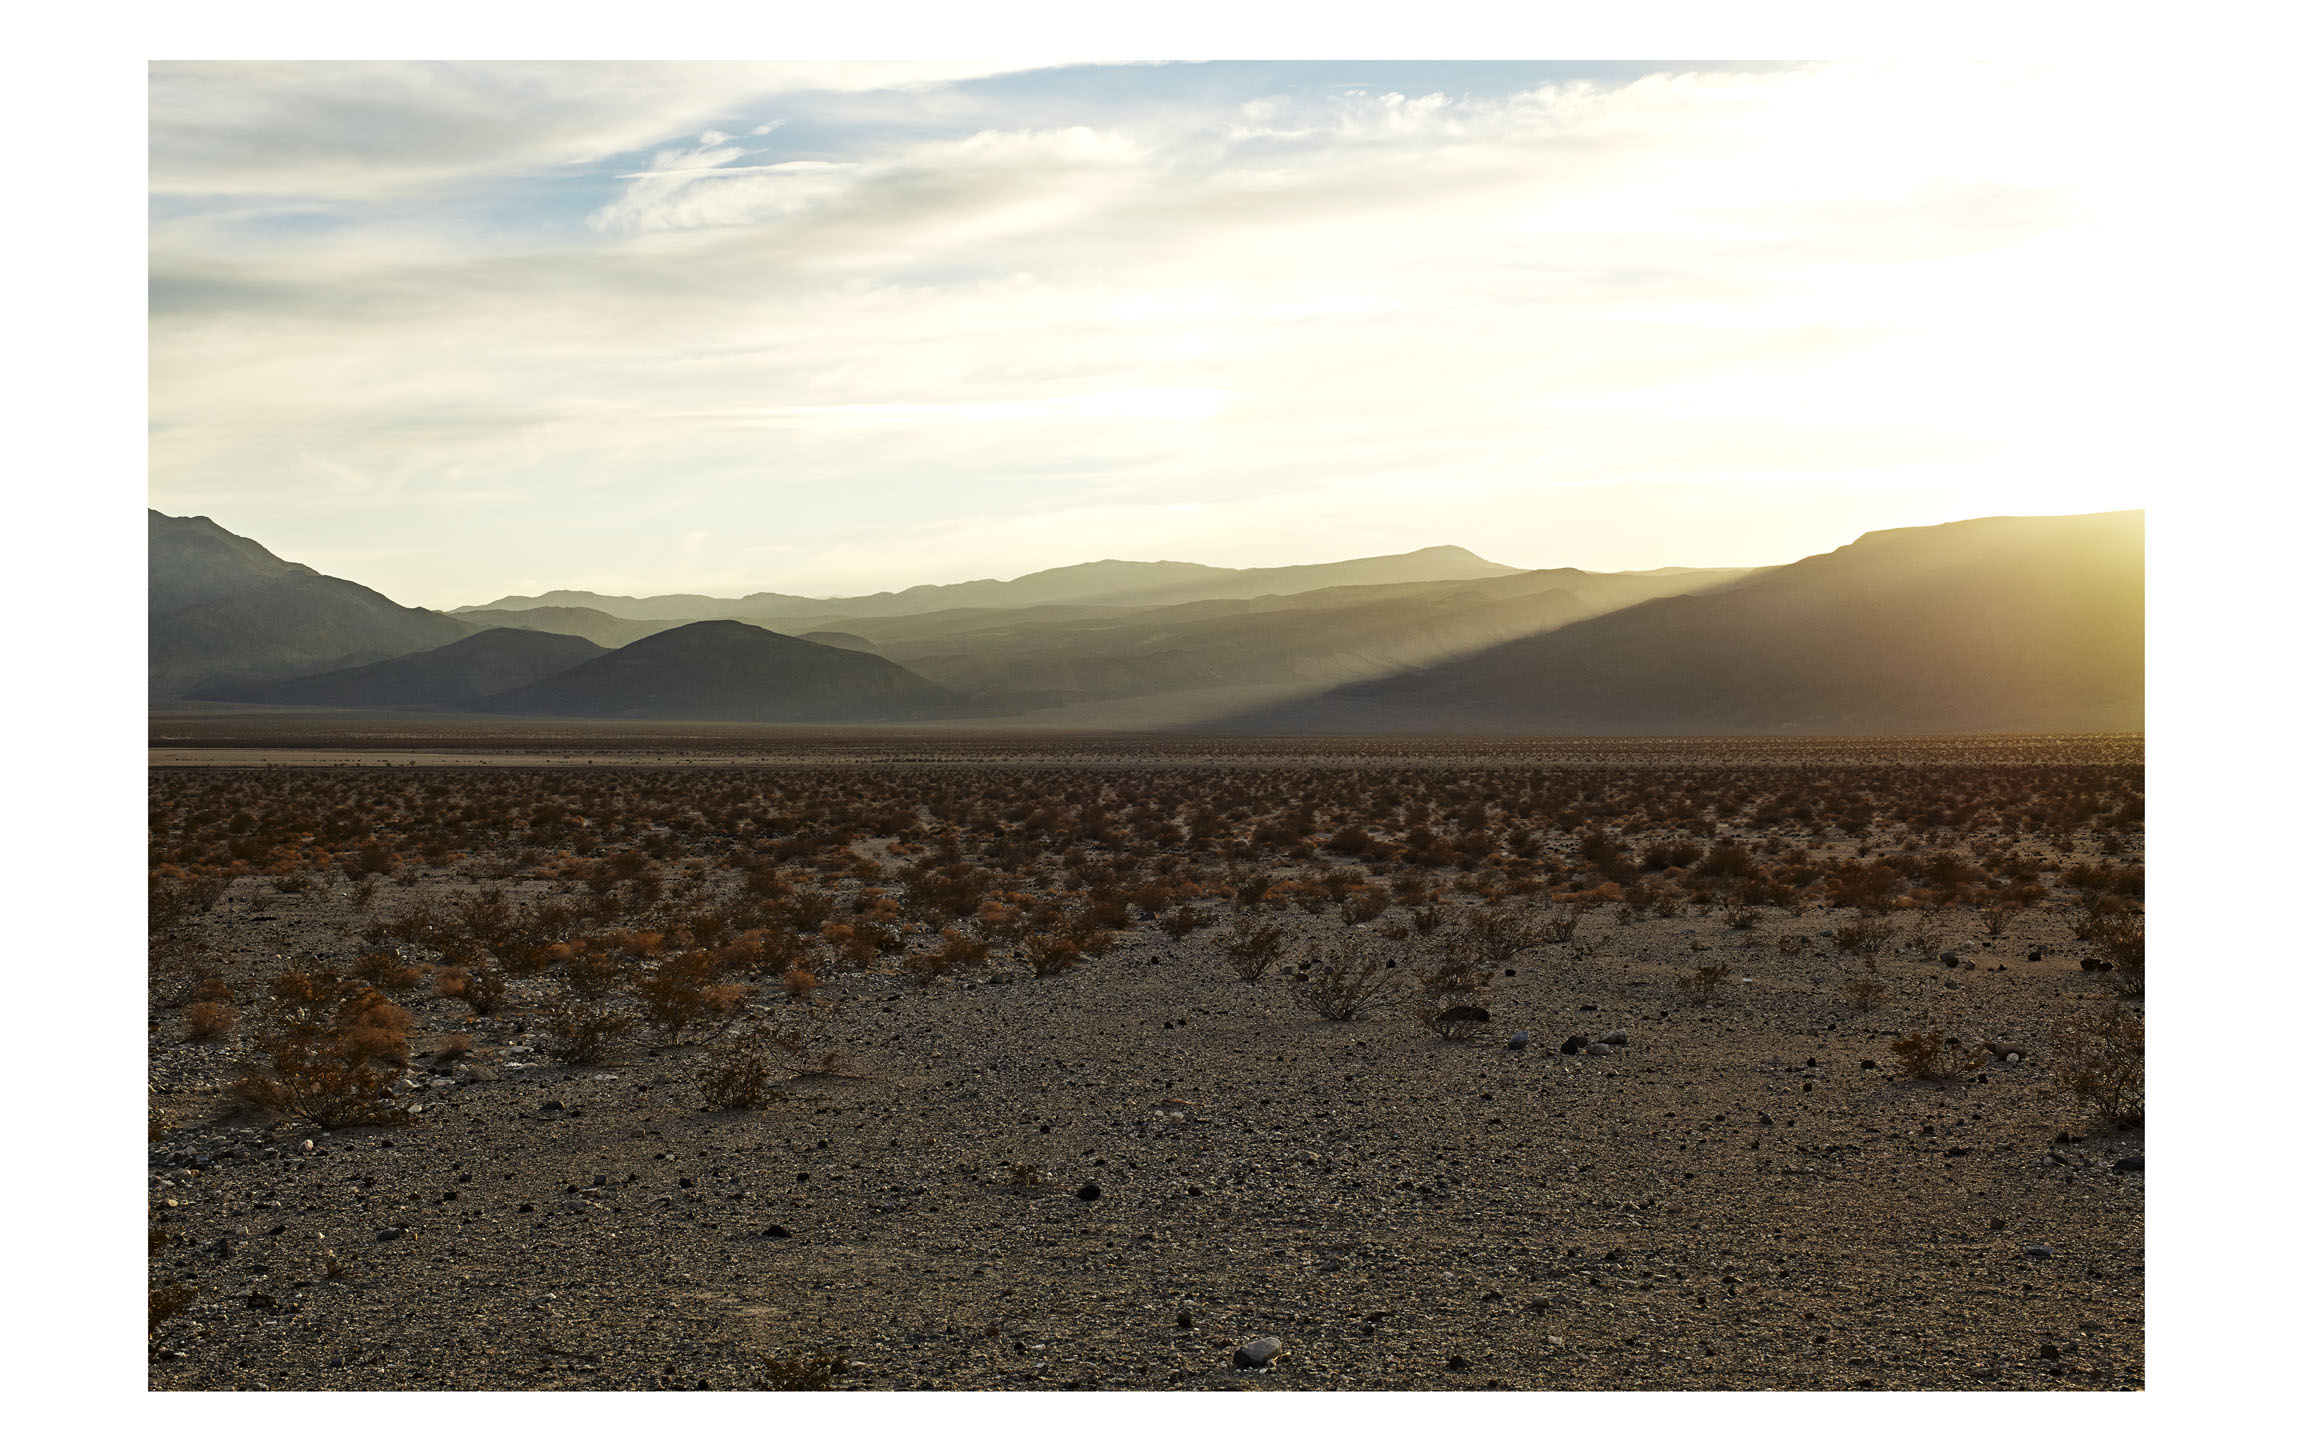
(1931, 1055)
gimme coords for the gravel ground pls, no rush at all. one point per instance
(1731, 1202)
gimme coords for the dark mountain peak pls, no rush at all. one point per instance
(224, 609)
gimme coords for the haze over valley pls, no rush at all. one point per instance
(2024, 623)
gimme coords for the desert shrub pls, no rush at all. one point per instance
(312, 1077)
(1454, 971)
(591, 972)
(1557, 924)
(172, 899)
(2098, 1059)
(581, 1030)
(1996, 918)
(385, 969)
(449, 982)
(372, 1028)
(799, 983)
(741, 1075)
(1427, 919)
(485, 990)
(2117, 941)
(1671, 854)
(1251, 888)
(1703, 983)
(1454, 1022)
(1494, 935)
(1342, 988)
(959, 951)
(1050, 952)
(1252, 949)
(1025, 1175)
(1182, 921)
(801, 1372)
(207, 1020)
(1864, 937)
(1930, 1054)
(681, 993)
(1363, 903)
(1740, 916)
(1864, 989)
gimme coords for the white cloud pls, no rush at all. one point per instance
(1315, 327)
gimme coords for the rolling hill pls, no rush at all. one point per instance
(477, 666)
(2010, 624)
(728, 670)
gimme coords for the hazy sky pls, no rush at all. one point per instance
(457, 330)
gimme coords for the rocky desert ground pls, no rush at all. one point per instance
(1111, 1065)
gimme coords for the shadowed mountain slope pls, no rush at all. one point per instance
(728, 670)
(2012, 624)
(223, 609)
(488, 663)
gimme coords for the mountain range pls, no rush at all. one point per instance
(2031, 623)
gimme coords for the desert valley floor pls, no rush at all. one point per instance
(715, 1062)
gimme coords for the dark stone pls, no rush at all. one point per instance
(2048, 1351)
(775, 1232)
(1459, 1363)
(2129, 1165)
(1184, 1320)
(1090, 1191)
(1573, 1044)
(551, 1105)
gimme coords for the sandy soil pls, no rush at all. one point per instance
(1733, 1201)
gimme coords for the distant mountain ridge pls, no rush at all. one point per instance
(1102, 582)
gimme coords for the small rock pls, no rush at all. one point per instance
(1256, 1354)
(1998, 1224)
(1184, 1320)
(1519, 1041)
(2038, 1252)
(1090, 1191)
(775, 1232)
(390, 1233)
(1616, 1038)
(2128, 1165)
(2048, 1351)
(1458, 1362)
(1597, 1050)
(1573, 1044)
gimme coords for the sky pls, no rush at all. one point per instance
(459, 330)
